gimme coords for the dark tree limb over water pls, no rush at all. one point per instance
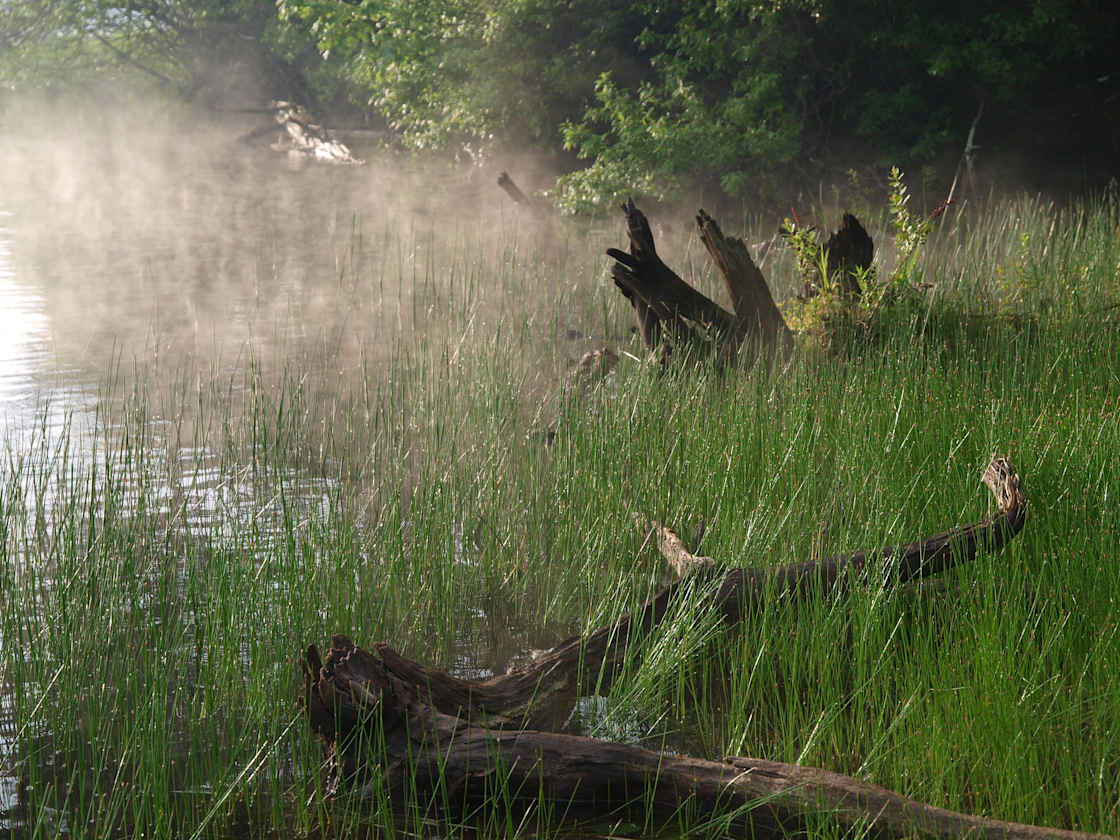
(365, 712)
(512, 190)
(426, 733)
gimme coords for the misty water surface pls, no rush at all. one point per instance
(164, 252)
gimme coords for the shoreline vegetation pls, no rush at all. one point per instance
(436, 480)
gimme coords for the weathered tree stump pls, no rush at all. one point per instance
(660, 297)
(431, 735)
(662, 301)
(848, 251)
(756, 314)
(667, 308)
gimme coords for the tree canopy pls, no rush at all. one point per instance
(644, 94)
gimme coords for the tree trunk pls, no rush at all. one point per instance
(513, 191)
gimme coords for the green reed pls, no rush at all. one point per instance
(393, 480)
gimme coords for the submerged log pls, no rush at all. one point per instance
(376, 725)
(542, 694)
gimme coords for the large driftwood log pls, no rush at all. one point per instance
(428, 738)
(372, 722)
(541, 695)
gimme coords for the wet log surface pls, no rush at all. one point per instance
(542, 694)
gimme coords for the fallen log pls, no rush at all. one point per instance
(307, 139)
(541, 694)
(375, 724)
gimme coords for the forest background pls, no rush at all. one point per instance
(738, 99)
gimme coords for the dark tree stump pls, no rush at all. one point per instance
(659, 296)
(849, 251)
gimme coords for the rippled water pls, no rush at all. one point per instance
(33, 387)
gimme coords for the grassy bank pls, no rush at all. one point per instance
(164, 566)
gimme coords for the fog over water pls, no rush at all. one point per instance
(129, 240)
(154, 250)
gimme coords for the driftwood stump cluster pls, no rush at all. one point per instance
(300, 138)
(669, 311)
(427, 736)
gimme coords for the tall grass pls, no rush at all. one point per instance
(162, 569)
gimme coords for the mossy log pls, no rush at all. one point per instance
(542, 694)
